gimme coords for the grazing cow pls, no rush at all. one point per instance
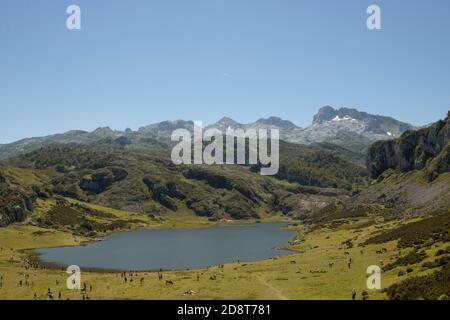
(189, 292)
(169, 283)
(330, 264)
(346, 253)
(293, 262)
(317, 271)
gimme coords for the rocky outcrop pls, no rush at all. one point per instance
(214, 179)
(413, 150)
(239, 207)
(164, 192)
(14, 204)
(102, 179)
(204, 207)
(119, 174)
(97, 182)
(440, 164)
(219, 180)
(123, 141)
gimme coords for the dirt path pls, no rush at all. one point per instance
(276, 291)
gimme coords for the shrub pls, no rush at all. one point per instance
(411, 258)
(429, 287)
(416, 233)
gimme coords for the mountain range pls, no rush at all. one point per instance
(349, 128)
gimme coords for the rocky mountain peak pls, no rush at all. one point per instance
(375, 124)
(276, 122)
(324, 114)
(225, 123)
(227, 120)
(328, 113)
(103, 131)
(166, 126)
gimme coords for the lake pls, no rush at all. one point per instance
(175, 249)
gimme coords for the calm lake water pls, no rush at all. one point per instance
(175, 248)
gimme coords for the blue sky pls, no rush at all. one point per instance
(141, 61)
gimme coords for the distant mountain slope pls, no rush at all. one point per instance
(412, 177)
(348, 128)
(320, 165)
(74, 136)
(149, 183)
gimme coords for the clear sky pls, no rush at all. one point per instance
(135, 62)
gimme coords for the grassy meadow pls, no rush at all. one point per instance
(319, 268)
